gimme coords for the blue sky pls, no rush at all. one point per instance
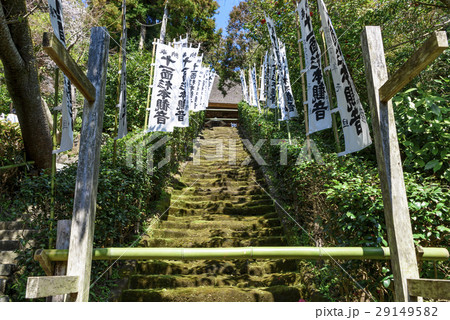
(225, 7)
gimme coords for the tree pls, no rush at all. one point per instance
(19, 63)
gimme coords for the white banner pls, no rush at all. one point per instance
(122, 130)
(290, 102)
(251, 95)
(244, 86)
(181, 43)
(197, 97)
(195, 79)
(189, 56)
(281, 101)
(203, 89)
(262, 88)
(212, 76)
(272, 82)
(255, 89)
(353, 118)
(57, 20)
(166, 84)
(319, 113)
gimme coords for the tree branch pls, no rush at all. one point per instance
(8, 50)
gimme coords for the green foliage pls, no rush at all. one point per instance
(423, 129)
(126, 199)
(338, 203)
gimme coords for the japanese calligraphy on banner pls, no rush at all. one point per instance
(195, 79)
(272, 82)
(290, 102)
(56, 18)
(189, 57)
(281, 100)
(255, 89)
(251, 94)
(319, 113)
(203, 103)
(122, 130)
(262, 90)
(274, 40)
(354, 123)
(197, 97)
(244, 86)
(211, 77)
(167, 81)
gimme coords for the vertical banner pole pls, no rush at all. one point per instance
(54, 142)
(305, 107)
(116, 114)
(150, 83)
(328, 84)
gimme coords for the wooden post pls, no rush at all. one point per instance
(62, 242)
(82, 230)
(398, 223)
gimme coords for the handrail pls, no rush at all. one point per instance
(308, 253)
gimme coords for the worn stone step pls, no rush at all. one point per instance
(237, 225)
(252, 232)
(186, 204)
(15, 234)
(12, 225)
(219, 182)
(219, 197)
(142, 281)
(219, 175)
(237, 209)
(204, 191)
(217, 267)
(214, 294)
(219, 217)
(6, 269)
(8, 257)
(214, 242)
(9, 245)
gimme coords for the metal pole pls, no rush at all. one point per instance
(308, 253)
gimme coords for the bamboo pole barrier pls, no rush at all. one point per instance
(16, 165)
(150, 83)
(308, 253)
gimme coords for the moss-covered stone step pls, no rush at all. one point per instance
(185, 204)
(219, 217)
(213, 242)
(237, 209)
(237, 225)
(215, 183)
(192, 191)
(222, 196)
(219, 175)
(221, 231)
(142, 281)
(216, 267)
(214, 294)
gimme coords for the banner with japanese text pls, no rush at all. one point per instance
(255, 89)
(195, 79)
(319, 111)
(272, 82)
(353, 118)
(290, 102)
(166, 84)
(57, 21)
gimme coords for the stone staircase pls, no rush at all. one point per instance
(10, 233)
(221, 205)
